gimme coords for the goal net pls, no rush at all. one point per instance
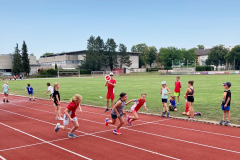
(115, 73)
(98, 73)
(68, 73)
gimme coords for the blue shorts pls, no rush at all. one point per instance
(225, 109)
(164, 100)
(5, 92)
(31, 93)
(115, 116)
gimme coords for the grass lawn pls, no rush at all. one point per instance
(208, 91)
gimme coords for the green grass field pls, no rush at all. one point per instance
(208, 91)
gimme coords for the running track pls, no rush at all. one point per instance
(27, 132)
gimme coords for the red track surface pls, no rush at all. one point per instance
(27, 132)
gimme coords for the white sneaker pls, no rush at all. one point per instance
(60, 118)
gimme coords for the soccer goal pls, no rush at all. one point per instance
(98, 73)
(68, 73)
(115, 73)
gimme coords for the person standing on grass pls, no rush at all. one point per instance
(71, 115)
(189, 94)
(117, 112)
(138, 103)
(5, 88)
(177, 89)
(226, 101)
(50, 89)
(110, 92)
(30, 91)
(57, 102)
(164, 92)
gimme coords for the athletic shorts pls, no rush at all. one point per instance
(164, 100)
(110, 96)
(172, 108)
(190, 99)
(225, 109)
(6, 92)
(176, 94)
(30, 93)
(51, 95)
(56, 103)
(133, 111)
(115, 116)
(66, 120)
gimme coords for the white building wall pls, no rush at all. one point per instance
(5, 62)
(203, 60)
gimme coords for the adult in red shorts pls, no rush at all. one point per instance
(110, 92)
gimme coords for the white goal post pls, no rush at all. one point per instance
(115, 73)
(68, 73)
(98, 73)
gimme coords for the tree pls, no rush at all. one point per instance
(111, 55)
(216, 56)
(25, 60)
(168, 54)
(142, 48)
(99, 52)
(47, 54)
(233, 56)
(150, 55)
(200, 46)
(124, 57)
(31, 54)
(56, 67)
(17, 61)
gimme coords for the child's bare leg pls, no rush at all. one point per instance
(163, 107)
(184, 113)
(75, 126)
(229, 115)
(165, 104)
(134, 117)
(56, 111)
(59, 111)
(178, 99)
(113, 121)
(107, 103)
(188, 113)
(111, 103)
(224, 115)
(65, 127)
(32, 97)
(175, 109)
(121, 122)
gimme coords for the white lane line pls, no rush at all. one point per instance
(46, 141)
(199, 144)
(136, 147)
(2, 158)
(219, 134)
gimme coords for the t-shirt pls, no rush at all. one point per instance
(50, 88)
(111, 87)
(177, 86)
(172, 102)
(227, 94)
(138, 103)
(5, 88)
(29, 89)
(72, 107)
(54, 95)
(119, 108)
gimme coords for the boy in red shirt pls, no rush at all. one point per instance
(110, 92)
(177, 88)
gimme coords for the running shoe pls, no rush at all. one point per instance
(107, 110)
(227, 123)
(57, 118)
(7, 101)
(60, 118)
(117, 132)
(106, 121)
(29, 99)
(57, 127)
(71, 135)
(177, 104)
(4, 100)
(33, 99)
(168, 115)
(54, 105)
(128, 121)
(221, 122)
(163, 113)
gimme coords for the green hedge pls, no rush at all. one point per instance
(49, 72)
(204, 68)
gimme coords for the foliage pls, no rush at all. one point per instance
(142, 48)
(56, 67)
(217, 56)
(200, 46)
(25, 60)
(150, 55)
(204, 68)
(168, 54)
(17, 61)
(47, 54)
(232, 55)
(31, 54)
(49, 72)
(111, 55)
(124, 57)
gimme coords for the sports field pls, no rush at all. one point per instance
(208, 91)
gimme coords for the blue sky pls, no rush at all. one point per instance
(65, 25)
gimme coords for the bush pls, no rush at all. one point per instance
(204, 68)
(52, 72)
(85, 72)
(167, 68)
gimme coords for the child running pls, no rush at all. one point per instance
(5, 88)
(117, 112)
(50, 89)
(57, 102)
(177, 89)
(164, 92)
(189, 94)
(226, 101)
(172, 104)
(30, 92)
(138, 103)
(71, 115)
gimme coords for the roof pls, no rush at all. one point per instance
(202, 52)
(77, 52)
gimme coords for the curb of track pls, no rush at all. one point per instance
(150, 114)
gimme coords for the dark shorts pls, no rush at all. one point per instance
(51, 95)
(30, 93)
(115, 116)
(225, 109)
(164, 100)
(172, 108)
(190, 99)
(56, 103)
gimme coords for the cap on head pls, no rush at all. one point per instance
(227, 84)
(164, 82)
(111, 74)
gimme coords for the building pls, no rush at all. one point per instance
(74, 60)
(6, 63)
(202, 55)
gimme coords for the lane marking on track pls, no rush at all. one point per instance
(2, 158)
(199, 144)
(46, 141)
